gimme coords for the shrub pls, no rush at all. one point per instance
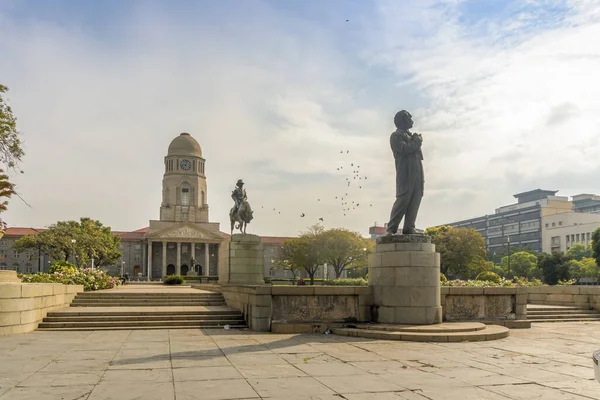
(489, 276)
(63, 267)
(267, 279)
(443, 278)
(347, 282)
(174, 280)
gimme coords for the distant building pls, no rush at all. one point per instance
(183, 241)
(377, 231)
(530, 222)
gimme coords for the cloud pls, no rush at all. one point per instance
(273, 93)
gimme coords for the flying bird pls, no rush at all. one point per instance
(302, 215)
(320, 219)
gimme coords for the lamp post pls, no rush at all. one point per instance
(508, 243)
(73, 241)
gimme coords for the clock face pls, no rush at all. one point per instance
(186, 165)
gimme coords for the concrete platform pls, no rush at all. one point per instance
(445, 332)
(548, 361)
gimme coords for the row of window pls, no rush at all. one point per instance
(554, 224)
(576, 238)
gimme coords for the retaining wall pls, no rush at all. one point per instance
(264, 305)
(483, 304)
(579, 296)
(24, 305)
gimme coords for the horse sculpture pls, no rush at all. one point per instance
(241, 218)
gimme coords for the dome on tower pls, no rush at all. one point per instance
(184, 145)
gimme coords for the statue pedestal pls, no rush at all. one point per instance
(404, 273)
(9, 277)
(246, 260)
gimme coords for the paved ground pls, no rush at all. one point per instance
(549, 361)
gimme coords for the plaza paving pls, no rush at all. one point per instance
(549, 361)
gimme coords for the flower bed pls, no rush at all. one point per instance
(503, 283)
(91, 279)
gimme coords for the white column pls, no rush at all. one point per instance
(164, 259)
(178, 266)
(149, 260)
(193, 255)
(206, 260)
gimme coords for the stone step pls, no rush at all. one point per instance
(113, 324)
(83, 313)
(491, 332)
(139, 328)
(580, 319)
(123, 301)
(127, 295)
(65, 317)
(533, 307)
(562, 316)
(582, 311)
(204, 303)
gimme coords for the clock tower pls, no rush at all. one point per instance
(184, 194)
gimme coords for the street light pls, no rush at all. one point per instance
(508, 243)
(73, 241)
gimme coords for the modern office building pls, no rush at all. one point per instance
(533, 221)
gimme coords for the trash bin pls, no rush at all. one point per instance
(596, 358)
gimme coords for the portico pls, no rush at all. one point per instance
(184, 249)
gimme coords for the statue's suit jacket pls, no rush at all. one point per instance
(409, 167)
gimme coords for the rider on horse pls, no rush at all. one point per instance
(238, 195)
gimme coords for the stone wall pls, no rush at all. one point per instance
(24, 305)
(262, 305)
(484, 304)
(580, 296)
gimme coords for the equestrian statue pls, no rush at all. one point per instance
(241, 212)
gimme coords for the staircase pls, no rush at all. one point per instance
(121, 309)
(543, 313)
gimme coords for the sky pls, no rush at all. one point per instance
(505, 94)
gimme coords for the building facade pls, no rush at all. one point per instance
(182, 241)
(528, 223)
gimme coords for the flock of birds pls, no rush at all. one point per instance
(354, 180)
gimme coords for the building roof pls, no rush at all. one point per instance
(274, 240)
(15, 231)
(536, 194)
(184, 145)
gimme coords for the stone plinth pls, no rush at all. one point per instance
(9, 277)
(404, 273)
(246, 260)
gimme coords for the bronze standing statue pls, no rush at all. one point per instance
(241, 212)
(408, 157)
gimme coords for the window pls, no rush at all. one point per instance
(546, 225)
(572, 238)
(588, 236)
(553, 224)
(137, 257)
(185, 195)
(577, 238)
(567, 239)
(16, 255)
(185, 216)
(137, 246)
(559, 223)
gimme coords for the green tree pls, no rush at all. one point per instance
(11, 151)
(596, 245)
(462, 251)
(342, 249)
(81, 240)
(305, 252)
(579, 251)
(434, 231)
(522, 263)
(554, 267)
(585, 268)
(285, 259)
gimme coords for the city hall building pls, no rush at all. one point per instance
(182, 241)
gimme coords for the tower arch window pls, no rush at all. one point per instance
(202, 199)
(185, 194)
